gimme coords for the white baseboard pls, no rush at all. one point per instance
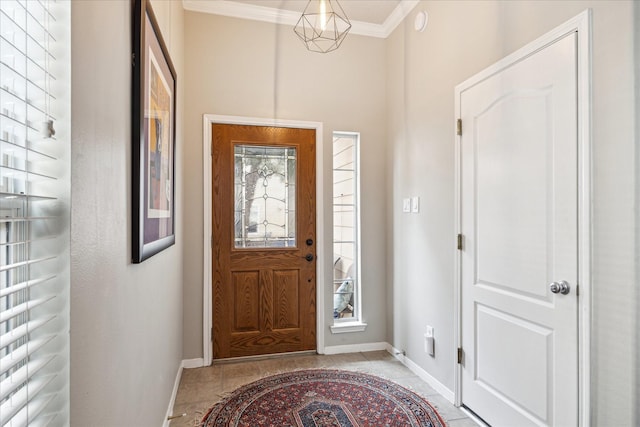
(193, 363)
(424, 375)
(355, 348)
(172, 401)
(188, 363)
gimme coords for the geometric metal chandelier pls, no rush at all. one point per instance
(323, 25)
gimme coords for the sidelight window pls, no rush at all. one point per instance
(346, 229)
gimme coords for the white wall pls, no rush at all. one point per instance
(247, 68)
(126, 320)
(464, 37)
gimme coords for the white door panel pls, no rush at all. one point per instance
(519, 219)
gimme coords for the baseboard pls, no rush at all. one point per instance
(185, 364)
(424, 375)
(355, 348)
(193, 363)
(172, 401)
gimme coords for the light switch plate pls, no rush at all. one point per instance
(415, 204)
(406, 205)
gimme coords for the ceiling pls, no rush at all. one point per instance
(374, 18)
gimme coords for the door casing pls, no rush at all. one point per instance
(581, 24)
(207, 316)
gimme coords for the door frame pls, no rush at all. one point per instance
(580, 24)
(207, 303)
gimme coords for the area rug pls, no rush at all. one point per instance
(323, 398)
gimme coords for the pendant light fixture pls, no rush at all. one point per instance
(323, 25)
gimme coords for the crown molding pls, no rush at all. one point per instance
(286, 17)
(397, 16)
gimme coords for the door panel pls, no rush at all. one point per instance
(246, 298)
(263, 212)
(519, 219)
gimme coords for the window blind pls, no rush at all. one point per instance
(34, 194)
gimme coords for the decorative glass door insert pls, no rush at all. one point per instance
(265, 195)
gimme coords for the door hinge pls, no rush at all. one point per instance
(211, 149)
(211, 336)
(460, 355)
(459, 242)
(459, 127)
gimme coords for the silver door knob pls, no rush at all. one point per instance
(561, 287)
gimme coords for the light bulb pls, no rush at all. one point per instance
(323, 15)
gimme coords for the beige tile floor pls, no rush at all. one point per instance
(201, 388)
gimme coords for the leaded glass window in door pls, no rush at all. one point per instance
(265, 190)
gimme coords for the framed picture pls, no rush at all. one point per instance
(154, 129)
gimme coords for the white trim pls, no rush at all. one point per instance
(207, 121)
(174, 393)
(397, 16)
(356, 348)
(582, 25)
(347, 327)
(193, 363)
(445, 391)
(287, 17)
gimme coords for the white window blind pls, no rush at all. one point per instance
(34, 195)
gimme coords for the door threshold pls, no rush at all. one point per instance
(262, 357)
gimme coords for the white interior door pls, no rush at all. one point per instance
(519, 195)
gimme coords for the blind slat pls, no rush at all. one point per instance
(36, 20)
(22, 352)
(22, 331)
(25, 263)
(23, 285)
(24, 99)
(18, 408)
(22, 375)
(22, 308)
(26, 243)
(27, 219)
(19, 122)
(25, 172)
(29, 60)
(25, 30)
(4, 195)
(29, 150)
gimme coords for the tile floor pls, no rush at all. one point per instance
(201, 388)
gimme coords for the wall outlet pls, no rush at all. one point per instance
(429, 342)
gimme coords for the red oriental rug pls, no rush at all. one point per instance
(323, 398)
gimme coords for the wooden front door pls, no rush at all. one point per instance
(264, 237)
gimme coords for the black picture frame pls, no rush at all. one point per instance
(153, 137)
